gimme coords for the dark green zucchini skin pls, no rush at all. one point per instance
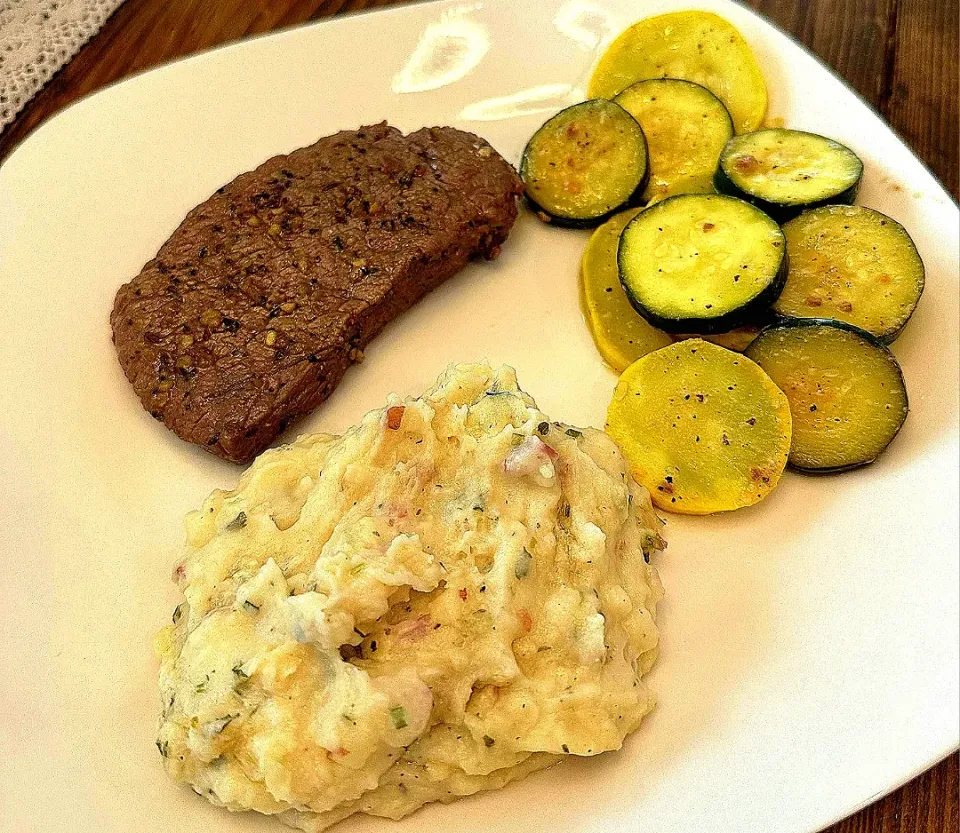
(782, 323)
(781, 213)
(635, 199)
(756, 311)
(779, 321)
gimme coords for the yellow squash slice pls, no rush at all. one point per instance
(619, 332)
(704, 429)
(692, 46)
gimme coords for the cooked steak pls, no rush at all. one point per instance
(252, 311)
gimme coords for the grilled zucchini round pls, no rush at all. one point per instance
(784, 172)
(686, 127)
(585, 163)
(846, 391)
(853, 264)
(699, 263)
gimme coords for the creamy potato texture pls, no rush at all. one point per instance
(453, 594)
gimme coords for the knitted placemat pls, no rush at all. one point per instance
(37, 37)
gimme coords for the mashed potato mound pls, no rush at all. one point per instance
(453, 594)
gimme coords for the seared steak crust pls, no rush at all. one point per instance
(252, 311)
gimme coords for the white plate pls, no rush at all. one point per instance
(810, 644)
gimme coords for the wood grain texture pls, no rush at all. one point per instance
(922, 95)
(900, 55)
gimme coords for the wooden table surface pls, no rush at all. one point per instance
(900, 55)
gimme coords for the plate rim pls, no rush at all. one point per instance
(952, 745)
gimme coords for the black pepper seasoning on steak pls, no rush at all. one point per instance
(252, 311)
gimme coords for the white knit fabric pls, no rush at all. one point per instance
(37, 37)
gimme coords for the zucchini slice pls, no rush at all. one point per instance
(853, 264)
(692, 46)
(620, 334)
(784, 172)
(686, 127)
(702, 263)
(585, 163)
(704, 429)
(845, 388)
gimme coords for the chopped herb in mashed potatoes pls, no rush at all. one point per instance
(455, 593)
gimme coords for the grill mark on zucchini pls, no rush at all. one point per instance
(702, 263)
(784, 172)
(585, 163)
